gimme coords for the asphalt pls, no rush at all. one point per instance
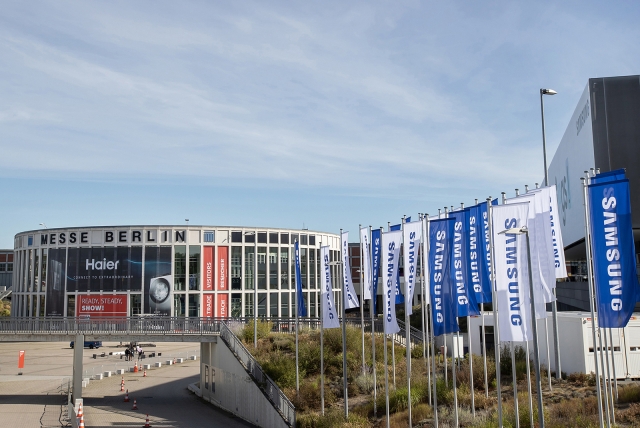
(38, 396)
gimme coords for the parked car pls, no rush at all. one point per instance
(89, 344)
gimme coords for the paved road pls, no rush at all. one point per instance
(37, 398)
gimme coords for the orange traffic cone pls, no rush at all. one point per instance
(122, 385)
(135, 368)
(126, 397)
(174, 360)
(147, 425)
(81, 424)
(145, 373)
(80, 413)
(135, 405)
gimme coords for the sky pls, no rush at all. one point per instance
(318, 115)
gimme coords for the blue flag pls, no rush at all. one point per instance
(604, 177)
(443, 302)
(479, 250)
(375, 266)
(302, 309)
(613, 251)
(399, 296)
(465, 297)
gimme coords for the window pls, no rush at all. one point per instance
(9, 267)
(249, 237)
(209, 236)
(194, 305)
(262, 268)
(206, 377)
(180, 267)
(135, 303)
(273, 238)
(273, 268)
(284, 238)
(236, 305)
(284, 268)
(194, 267)
(248, 268)
(303, 240)
(236, 236)
(3, 267)
(236, 268)
(312, 239)
(262, 237)
(178, 305)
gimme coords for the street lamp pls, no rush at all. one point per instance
(43, 225)
(534, 325)
(554, 304)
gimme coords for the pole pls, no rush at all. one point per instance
(515, 385)
(613, 361)
(455, 383)
(536, 351)
(610, 386)
(361, 295)
(484, 354)
(407, 333)
(433, 367)
(494, 300)
(423, 318)
(255, 301)
(386, 376)
(297, 327)
(526, 343)
(322, 347)
(473, 398)
(546, 335)
(344, 339)
(373, 342)
(587, 241)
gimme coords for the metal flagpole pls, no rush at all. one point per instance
(297, 321)
(613, 361)
(473, 397)
(515, 385)
(546, 335)
(529, 377)
(393, 339)
(361, 294)
(610, 386)
(322, 345)
(386, 375)
(373, 340)
(344, 337)
(446, 369)
(484, 354)
(255, 299)
(425, 334)
(407, 331)
(433, 367)
(455, 387)
(587, 241)
(496, 330)
(604, 379)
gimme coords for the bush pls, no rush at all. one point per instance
(629, 394)
(332, 418)
(282, 369)
(582, 379)
(263, 328)
(521, 362)
(478, 372)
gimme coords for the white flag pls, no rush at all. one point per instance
(412, 236)
(512, 276)
(391, 242)
(365, 246)
(329, 313)
(351, 298)
(558, 245)
(425, 260)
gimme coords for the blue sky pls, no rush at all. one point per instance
(321, 115)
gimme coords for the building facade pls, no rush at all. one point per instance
(6, 269)
(180, 271)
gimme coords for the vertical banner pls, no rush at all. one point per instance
(558, 244)
(223, 305)
(352, 297)
(391, 242)
(465, 297)
(158, 281)
(366, 262)
(301, 308)
(613, 251)
(56, 274)
(208, 304)
(411, 236)
(376, 253)
(222, 271)
(207, 266)
(425, 259)
(329, 312)
(512, 275)
(478, 252)
(399, 295)
(443, 301)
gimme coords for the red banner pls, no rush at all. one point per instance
(223, 305)
(207, 310)
(207, 267)
(110, 306)
(223, 262)
(20, 359)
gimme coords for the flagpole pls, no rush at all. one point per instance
(473, 401)
(615, 378)
(373, 337)
(361, 295)
(433, 367)
(298, 287)
(484, 354)
(515, 384)
(494, 301)
(322, 344)
(587, 241)
(446, 369)
(455, 383)
(344, 336)
(423, 270)
(606, 353)
(407, 330)
(529, 376)
(386, 376)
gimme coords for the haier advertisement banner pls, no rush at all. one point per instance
(55, 282)
(104, 269)
(158, 281)
(102, 306)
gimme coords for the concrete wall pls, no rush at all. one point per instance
(225, 383)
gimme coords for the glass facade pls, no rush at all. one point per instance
(56, 269)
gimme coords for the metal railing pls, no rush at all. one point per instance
(280, 401)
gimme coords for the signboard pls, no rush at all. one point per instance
(20, 359)
(223, 305)
(207, 266)
(104, 269)
(101, 306)
(55, 282)
(223, 262)
(209, 301)
(158, 281)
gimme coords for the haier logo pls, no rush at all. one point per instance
(101, 264)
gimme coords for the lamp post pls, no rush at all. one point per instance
(554, 304)
(534, 324)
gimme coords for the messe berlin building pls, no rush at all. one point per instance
(179, 271)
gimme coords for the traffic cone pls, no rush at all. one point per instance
(122, 385)
(174, 360)
(126, 397)
(135, 368)
(145, 373)
(81, 424)
(147, 425)
(135, 405)
(80, 413)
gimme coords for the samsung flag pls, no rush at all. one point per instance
(425, 259)
(375, 265)
(329, 313)
(613, 252)
(558, 244)
(399, 296)
(391, 242)
(479, 251)
(302, 309)
(412, 236)
(465, 298)
(350, 293)
(512, 275)
(443, 304)
(365, 250)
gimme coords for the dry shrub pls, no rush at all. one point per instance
(582, 379)
(332, 418)
(630, 415)
(309, 396)
(629, 394)
(478, 372)
(581, 412)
